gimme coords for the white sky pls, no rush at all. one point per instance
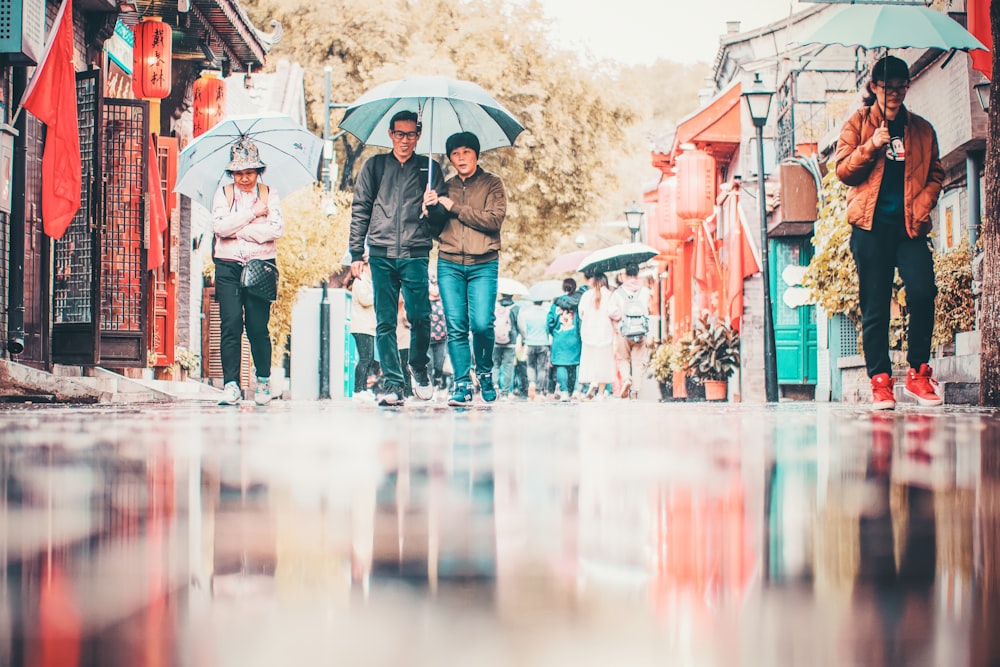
(640, 31)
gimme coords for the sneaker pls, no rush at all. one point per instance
(392, 397)
(532, 391)
(486, 388)
(564, 398)
(262, 394)
(883, 397)
(462, 396)
(422, 387)
(921, 386)
(231, 394)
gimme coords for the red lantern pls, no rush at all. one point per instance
(695, 186)
(151, 59)
(209, 103)
(669, 226)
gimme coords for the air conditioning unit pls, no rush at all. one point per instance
(22, 30)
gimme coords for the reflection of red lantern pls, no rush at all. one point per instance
(209, 103)
(151, 57)
(695, 185)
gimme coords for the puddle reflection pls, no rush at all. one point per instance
(810, 536)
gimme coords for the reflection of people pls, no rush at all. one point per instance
(388, 211)
(889, 158)
(246, 221)
(363, 328)
(472, 213)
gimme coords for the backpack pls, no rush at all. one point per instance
(504, 324)
(634, 324)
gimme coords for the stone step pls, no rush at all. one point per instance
(953, 393)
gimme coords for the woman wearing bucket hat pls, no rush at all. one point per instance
(888, 156)
(246, 222)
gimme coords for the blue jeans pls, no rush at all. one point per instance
(468, 293)
(389, 278)
(504, 361)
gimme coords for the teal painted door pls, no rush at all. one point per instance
(794, 328)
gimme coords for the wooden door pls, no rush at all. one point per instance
(162, 338)
(123, 275)
(795, 339)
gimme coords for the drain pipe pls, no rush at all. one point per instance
(973, 170)
(16, 226)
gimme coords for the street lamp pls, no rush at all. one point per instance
(983, 91)
(633, 218)
(758, 100)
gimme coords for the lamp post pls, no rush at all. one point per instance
(633, 218)
(758, 101)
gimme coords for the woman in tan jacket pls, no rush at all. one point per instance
(469, 216)
(889, 158)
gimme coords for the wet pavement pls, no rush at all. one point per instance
(605, 533)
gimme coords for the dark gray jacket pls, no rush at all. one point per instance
(387, 213)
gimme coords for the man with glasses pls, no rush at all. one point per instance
(388, 215)
(470, 216)
(888, 156)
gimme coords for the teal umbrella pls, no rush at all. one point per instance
(894, 27)
(445, 106)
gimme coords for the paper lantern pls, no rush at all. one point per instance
(669, 226)
(151, 58)
(695, 186)
(209, 102)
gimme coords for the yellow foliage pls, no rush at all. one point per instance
(309, 252)
(954, 308)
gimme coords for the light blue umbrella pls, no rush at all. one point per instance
(445, 106)
(290, 151)
(893, 27)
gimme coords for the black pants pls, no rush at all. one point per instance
(237, 310)
(877, 254)
(366, 355)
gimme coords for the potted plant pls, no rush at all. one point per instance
(187, 361)
(714, 354)
(667, 359)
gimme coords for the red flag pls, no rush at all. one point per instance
(979, 26)
(157, 210)
(51, 98)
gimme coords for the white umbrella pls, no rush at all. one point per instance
(510, 286)
(290, 151)
(545, 290)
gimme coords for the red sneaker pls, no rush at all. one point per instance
(921, 386)
(883, 397)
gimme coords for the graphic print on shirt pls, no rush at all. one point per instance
(895, 150)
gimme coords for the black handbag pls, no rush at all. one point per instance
(260, 279)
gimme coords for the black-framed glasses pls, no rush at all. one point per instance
(893, 90)
(404, 135)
